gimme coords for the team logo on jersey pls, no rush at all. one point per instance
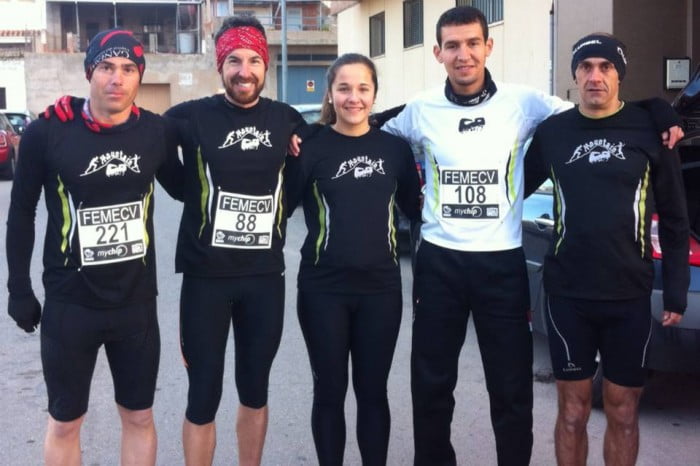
(467, 124)
(115, 163)
(598, 150)
(249, 138)
(361, 167)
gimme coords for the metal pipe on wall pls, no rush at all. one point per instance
(283, 97)
(77, 27)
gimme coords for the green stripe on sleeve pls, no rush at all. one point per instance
(204, 189)
(643, 208)
(65, 211)
(321, 222)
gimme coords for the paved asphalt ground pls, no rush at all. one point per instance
(670, 411)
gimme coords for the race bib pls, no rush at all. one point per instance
(111, 234)
(469, 194)
(243, 221)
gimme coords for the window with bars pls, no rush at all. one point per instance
(376, 35)
(492, 9)
(412, 22)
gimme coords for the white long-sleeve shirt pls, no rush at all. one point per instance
(474, 163)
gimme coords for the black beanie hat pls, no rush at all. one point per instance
(599, 46)
(114, 43)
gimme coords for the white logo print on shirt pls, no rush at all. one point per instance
(598, 150)
(115, 163)
(362, 167)
(249, 137)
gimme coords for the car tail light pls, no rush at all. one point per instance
(693, 250)
(3, 139)
(419, 169)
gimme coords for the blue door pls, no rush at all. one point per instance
(305, 84)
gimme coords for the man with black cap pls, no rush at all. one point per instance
(611, 173)
(97, 173)
(470, 262)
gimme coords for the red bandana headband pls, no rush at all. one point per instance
(242, 37)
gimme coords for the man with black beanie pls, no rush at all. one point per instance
(97, 172)
(610, 174)
(470, 263)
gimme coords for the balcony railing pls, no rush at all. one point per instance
(294, 23)
(299, 23)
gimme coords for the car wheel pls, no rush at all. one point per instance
(597, 390)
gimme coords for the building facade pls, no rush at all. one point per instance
(653, 31)
(532, 41)
(400, 34)
(178, 38)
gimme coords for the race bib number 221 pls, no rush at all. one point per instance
(109, 234)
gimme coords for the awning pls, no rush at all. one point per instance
(19, 32)
(132, 2)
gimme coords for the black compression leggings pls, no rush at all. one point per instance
(365, 327)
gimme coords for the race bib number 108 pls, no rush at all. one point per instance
(469, 194)
(111, 234)
(243, 221)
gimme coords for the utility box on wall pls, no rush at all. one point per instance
(676, 72)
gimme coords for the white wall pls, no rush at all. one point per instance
(521, 46)
(574, 20)
(525, 43)
(12, 79)
(23, 14)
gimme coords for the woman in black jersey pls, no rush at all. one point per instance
(350, 177)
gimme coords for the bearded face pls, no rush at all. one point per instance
(243, 77)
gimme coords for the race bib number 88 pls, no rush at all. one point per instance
(469, 194)
(111, 234)
(243, 221)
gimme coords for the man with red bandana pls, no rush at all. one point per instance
(97, 173)
(230, 240)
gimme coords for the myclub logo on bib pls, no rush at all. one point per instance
(249, 138)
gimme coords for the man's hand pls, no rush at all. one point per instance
(671, 318)
(61, 109)
(306, 132)
(294, 146)
(671, 137)
(25, 311)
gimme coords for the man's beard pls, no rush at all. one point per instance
(240, 98)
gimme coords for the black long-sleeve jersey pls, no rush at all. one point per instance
(234, 218)
(610, 175)
(349, 187)
(98, 187)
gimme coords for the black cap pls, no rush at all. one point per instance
(599, 46)
(114, 43)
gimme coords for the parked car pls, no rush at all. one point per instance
(310, 112)
(19, 119)
(673, 349)
(9, 142)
